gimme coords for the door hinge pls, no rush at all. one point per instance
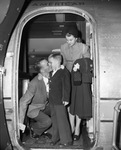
(2, 70)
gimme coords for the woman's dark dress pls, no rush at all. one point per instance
(81, 97)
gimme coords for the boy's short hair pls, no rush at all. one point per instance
(57, 56)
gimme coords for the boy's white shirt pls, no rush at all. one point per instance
(54, 71)
(45, 79)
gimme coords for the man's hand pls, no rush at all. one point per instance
(22, 127)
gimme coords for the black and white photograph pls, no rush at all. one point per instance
(60, 74)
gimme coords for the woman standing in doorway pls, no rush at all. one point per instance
(71, 51)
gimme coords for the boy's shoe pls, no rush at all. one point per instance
(65, 144)
(76, 137)
(53, 143)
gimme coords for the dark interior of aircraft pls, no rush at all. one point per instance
(41, 35)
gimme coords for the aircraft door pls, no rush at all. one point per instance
(10, 10)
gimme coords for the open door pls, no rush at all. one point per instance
(8, 19)
(42, 36)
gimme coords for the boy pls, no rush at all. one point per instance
(59, 95)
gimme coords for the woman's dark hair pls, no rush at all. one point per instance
(72, 31)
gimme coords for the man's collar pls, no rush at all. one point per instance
(40, 76)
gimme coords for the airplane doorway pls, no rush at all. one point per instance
(37, 37)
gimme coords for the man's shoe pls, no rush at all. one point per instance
(47, 135)
(65, 144)
(33, 135)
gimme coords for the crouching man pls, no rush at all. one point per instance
(36, 99)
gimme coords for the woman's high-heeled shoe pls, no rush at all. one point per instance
(76, 137)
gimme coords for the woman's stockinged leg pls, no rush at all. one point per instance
(77, 126)
(72, 122)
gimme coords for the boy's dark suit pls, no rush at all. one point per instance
(58, 93)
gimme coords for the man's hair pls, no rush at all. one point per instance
(57, 56)
(37, 64)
